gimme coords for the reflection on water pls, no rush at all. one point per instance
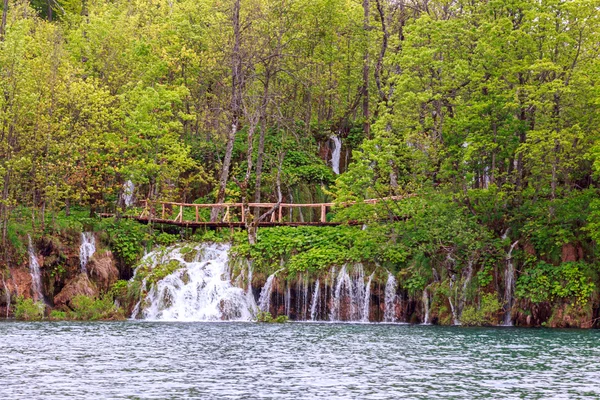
(151, 360)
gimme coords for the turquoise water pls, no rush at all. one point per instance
(150, 360)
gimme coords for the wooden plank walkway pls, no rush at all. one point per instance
(161, 212)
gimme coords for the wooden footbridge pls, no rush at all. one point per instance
(283, 214)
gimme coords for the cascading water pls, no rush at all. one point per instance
(7, 294)
(315, 301)
(350, 296)
(128, 191)
(287, 299)
(426, 307)
(264, 301)
(367, 300)
(389, 313)
(87, 249)
(336, 154)
(509, 281)
(36, 275)
(200, 290)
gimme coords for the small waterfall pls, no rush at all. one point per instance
(128, 191)
(200, 290)
(509, 281)
(389, 313)
(7, 294)
(36, 275)
(87, 249)
(426, 307)
(350, 297)
(288, 299)
(264, 301)
(343, 283)
(336, 154)
(315, 301)
(249, 293)
(305, 304)
(367, 300)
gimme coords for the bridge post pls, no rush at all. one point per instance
(196, 213)
(323, 213)
(280, 213)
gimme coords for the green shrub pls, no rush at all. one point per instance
(28, 310)
(546, 282)
(166, 239)
(266, 317)
(88, 309)
(119, 290)
(56, 315)
(483, 315)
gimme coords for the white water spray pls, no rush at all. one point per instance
(509, 281)
(264, 301)
(367, 300)
(128, 191)
(336, 154)
(350, 295)
(389, 313)
(36, 275)
(87, 249)
(315, 301)
(426, 307)
(200, 290)
(7, 296)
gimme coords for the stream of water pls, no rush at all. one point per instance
(236, 360)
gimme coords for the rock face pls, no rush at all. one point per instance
(570, 252)
(80, 285)
(19, 283)
(103, 271)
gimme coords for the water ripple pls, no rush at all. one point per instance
(152, 360)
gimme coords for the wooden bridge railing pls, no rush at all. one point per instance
(166, 209)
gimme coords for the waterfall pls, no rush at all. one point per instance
(315, 301)
(426, 307)
(200, 290)
(305, 304)
(349, 299)
(87, 249)
(389, 313)
(128, 190)
(367, 300)
(7, 294)
(343, 282)
(509, 281)
(249, 293)
(264, 301)
(36, 276)
(336, 154)
(287, 299)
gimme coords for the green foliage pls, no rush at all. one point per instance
(266, 317)
(125, 238)
(546, 282)
(166, 239)
(57, 315)
(89, 309)
(119, 290)
(484, 314)
(28, 310)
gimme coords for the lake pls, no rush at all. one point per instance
(175, 360)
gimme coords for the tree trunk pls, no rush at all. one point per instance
(3, 23)
(365, 89)
(236, 76)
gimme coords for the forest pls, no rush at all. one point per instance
(484, 114)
